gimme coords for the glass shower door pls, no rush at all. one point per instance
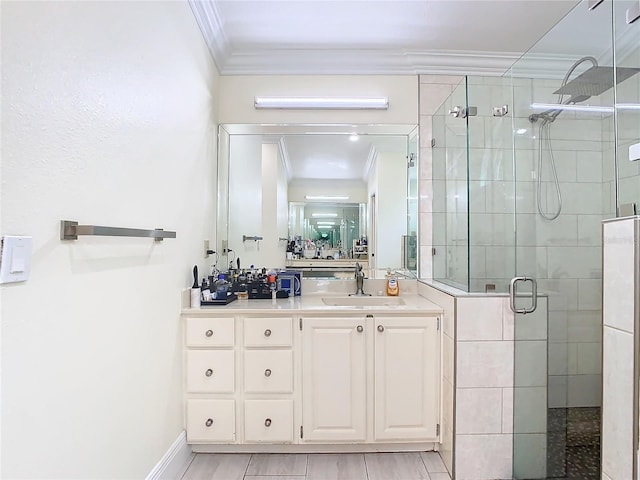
(564, 184)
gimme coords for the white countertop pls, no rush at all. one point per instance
(313, 304)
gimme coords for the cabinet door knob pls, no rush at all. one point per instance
(267, 372)
(209, 422)
(380, 328)
(209, 333)
(267, 333)
(267, 422)
(359, 328)
(209, 372)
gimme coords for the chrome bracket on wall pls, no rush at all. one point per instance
(252, 238)
(513, 294)
(500, 111)
(627, 210)
(462, 112)
(633, 12)
(594, 3)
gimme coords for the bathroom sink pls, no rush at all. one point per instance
(354, 301)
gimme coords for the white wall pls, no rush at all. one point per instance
(245, 196)
(258, 190)
(391, 213)
(108, 118)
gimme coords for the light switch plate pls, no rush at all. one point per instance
(15, 259)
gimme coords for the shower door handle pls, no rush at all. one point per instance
(513, 292)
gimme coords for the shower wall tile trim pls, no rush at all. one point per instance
(620, 256)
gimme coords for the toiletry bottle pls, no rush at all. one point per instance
(392, 286)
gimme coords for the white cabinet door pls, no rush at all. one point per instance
(407, 355)
(334, 379)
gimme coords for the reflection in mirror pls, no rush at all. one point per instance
(329, 231)
(307, 196)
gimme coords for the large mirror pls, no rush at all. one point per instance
(318, 197)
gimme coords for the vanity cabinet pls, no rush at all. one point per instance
(311, 378)
(399, 355)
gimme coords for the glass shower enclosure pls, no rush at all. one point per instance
(525, 168)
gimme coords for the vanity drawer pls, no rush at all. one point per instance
(210, 332)
(210, 371)
(268, 332)
(211, 420)
(268, 371)
(268, 421)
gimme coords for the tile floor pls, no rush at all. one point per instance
(330, 466)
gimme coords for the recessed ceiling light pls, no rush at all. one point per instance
(327, 215)
(326, 197)
(325, 223)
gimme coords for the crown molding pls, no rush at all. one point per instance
(212, 29)
(367, 62)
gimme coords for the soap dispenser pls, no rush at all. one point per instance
(392, 284)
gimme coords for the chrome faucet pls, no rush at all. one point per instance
(359, 281)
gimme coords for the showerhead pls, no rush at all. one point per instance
(595, 81)
(592, 82)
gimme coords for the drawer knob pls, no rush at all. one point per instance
(380, 328)
(267, 372)
(267, 333)
(209, 422)
(209, 372)
(209, 333)
(267, 422)
(359, 328)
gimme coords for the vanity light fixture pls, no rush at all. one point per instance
(326, 215)
(326, 197)
(320, 103)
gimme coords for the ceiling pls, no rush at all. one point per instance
(337, 157)
(316, 37)
(373, 37)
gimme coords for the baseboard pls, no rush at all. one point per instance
(174, 462)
